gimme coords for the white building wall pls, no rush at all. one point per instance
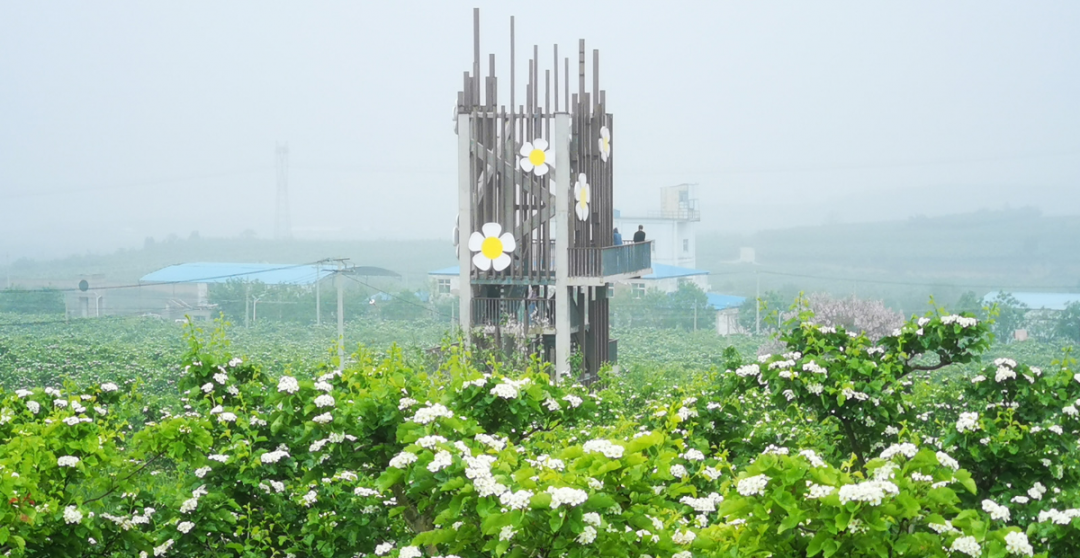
(674, 241)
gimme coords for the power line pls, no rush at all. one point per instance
(406, 301)
(156, 283)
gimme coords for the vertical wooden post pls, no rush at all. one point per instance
(563, 229)
(465, 226)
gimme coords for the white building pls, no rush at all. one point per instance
(673, 229)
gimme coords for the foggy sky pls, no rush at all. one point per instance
(122, 120)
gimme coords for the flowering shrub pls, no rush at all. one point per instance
(381, 459)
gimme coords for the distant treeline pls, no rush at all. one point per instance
(37, 301)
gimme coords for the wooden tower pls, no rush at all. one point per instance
(535, 210)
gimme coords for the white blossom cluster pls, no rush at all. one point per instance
(968, 422)
(324, 400)
(516, 500)
(945, 460)
(683, 537)
(610, 450)
(510, 389)
(587, 535)
(442, 460)
(273, 456)
(288, 384)
(570, 497)
(816, 491)
(1036, 492)
(967, 545)
(72, 515)
(1058, 517)
(703, 505)
(997, 512)
(813, 458)
(960, 320)
(752, 486)
(908, 450)
(478, 470)
(67, 461)
(748, 370)
(493, 442)
(402, 460)
(430, 413)
(323, 418)
(815, 368)
(871, 492)
(574, 400)
(1016, 542)
(429, 442)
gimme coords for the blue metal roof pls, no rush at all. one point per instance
(455, 270)
(269, 274)
(662, 271)
(723, 301)
(1038, 301)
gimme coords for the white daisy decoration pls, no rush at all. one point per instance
(582, 194)
(605, 143)
(536, 157)
(492, 247)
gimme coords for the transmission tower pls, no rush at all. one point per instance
(282, 228)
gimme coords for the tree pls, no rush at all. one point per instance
(772, 305)
(854, 314)
(1068, 323)
(1010, 316)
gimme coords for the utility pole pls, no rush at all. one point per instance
(247, 304)
(338, 280)
(318, 292)
(757, 316)
(695, 316)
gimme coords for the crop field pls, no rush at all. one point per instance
(139, 437)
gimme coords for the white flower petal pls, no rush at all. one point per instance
(526, 149)
(482, 262)
(582, 211)
(501, 262)
(491, 229)
(509, 243)
(541, 170)
(525, 164)
(476, 241)
(540, 143)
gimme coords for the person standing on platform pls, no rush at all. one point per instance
(617, 236)
(639, 236)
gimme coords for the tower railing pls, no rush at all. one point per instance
(611, 260)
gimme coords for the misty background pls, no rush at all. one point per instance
(123, 120)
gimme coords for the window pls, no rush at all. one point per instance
(638, 289)
(685, 245)
(444, 286)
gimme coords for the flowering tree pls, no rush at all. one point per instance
(380, 459)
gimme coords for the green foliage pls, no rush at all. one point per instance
(838, 446)
(770, 306)
(37, 301)
(1067, 325)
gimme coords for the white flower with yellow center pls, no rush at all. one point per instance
(492, 247)
(536, 157)
(582, 195)
(605, 143)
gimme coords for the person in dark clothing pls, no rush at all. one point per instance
(639, 236)
(617, 238)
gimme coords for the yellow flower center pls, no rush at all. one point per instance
(607, 144)
(537, 157)
(584, 197)
(492, 247)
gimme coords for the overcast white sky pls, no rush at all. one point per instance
(121, 120)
